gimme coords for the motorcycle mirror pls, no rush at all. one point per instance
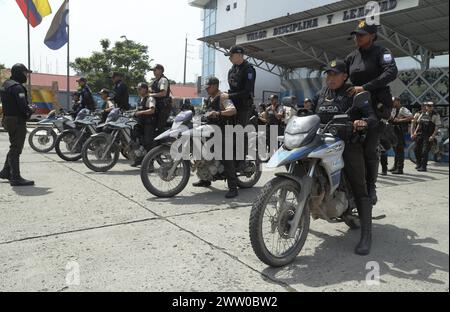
(362, 99)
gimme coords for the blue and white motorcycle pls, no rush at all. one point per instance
(43, 138)
(315, 186)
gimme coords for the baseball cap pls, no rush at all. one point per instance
(273, 96)
(365, 29)
(82, 79)
(212, 81)
(337, 66)
(235, 50)
(157, 66)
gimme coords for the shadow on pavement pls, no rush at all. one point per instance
(32, 191)
(399, 252)
(211, 196)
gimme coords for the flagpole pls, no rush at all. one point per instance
(29, 51)
(68, 58)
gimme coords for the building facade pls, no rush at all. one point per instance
(414, 84)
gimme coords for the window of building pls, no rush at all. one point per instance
(209, 28)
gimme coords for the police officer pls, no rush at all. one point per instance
(76, 106)
(145, 115)
(107, 105)
(221, 112)
(400, 119)
(425, 135)
(241, 79)
(333, 100)
(372, 67)
(86, 98)
(273, 116)
(16, 112)
(160, 90)
(121, 94)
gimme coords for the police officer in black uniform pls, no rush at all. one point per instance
(16, 112)
(145, 115)
(221, 112)
(86, 98)
(241, 79)
(121, 94)
(371, 68)
(333, 100)
(160, 90)
(425, 135)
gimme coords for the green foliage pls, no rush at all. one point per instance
(127, 56)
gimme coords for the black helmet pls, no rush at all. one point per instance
(18, 73)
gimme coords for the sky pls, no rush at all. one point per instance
(162, 25)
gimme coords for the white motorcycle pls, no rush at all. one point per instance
(315, 185)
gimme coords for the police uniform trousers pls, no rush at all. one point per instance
(17, 131)
(422, 150)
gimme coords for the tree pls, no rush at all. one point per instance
(127, 56)
(2, 66)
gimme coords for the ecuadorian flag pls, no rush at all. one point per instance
(38, 10)
(43, 99)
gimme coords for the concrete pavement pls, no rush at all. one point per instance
(118, 237)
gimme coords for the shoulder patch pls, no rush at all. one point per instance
(387, 58)
(22, 95)
(250, 76)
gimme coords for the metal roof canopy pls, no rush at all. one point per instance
(420, 32)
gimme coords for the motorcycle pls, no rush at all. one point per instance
(165, 176)
(69, 144)
(439, 149)
(315, 186)
(101, 151)
(43, 138)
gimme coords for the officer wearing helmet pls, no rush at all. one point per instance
(16, 111)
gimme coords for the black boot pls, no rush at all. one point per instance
(202, 183)
(398, 171)
(371, 178)
(384, 164)
(365, 216)
(232, 194)
(16, 179)
(5, 174)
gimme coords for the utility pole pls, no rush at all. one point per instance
(185, 59)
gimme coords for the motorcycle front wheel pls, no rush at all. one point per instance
(269, 223)
(94, 156)
(64, 145)
(160, 177)
(42, 140)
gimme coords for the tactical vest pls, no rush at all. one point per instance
(427, 127)
(10, 107)
(327, 107)
(271, 113)
(149, 119)
(215, 106)
(163, 104)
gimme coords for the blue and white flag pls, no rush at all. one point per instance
(57, 36)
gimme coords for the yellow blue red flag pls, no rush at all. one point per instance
(37, 9)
